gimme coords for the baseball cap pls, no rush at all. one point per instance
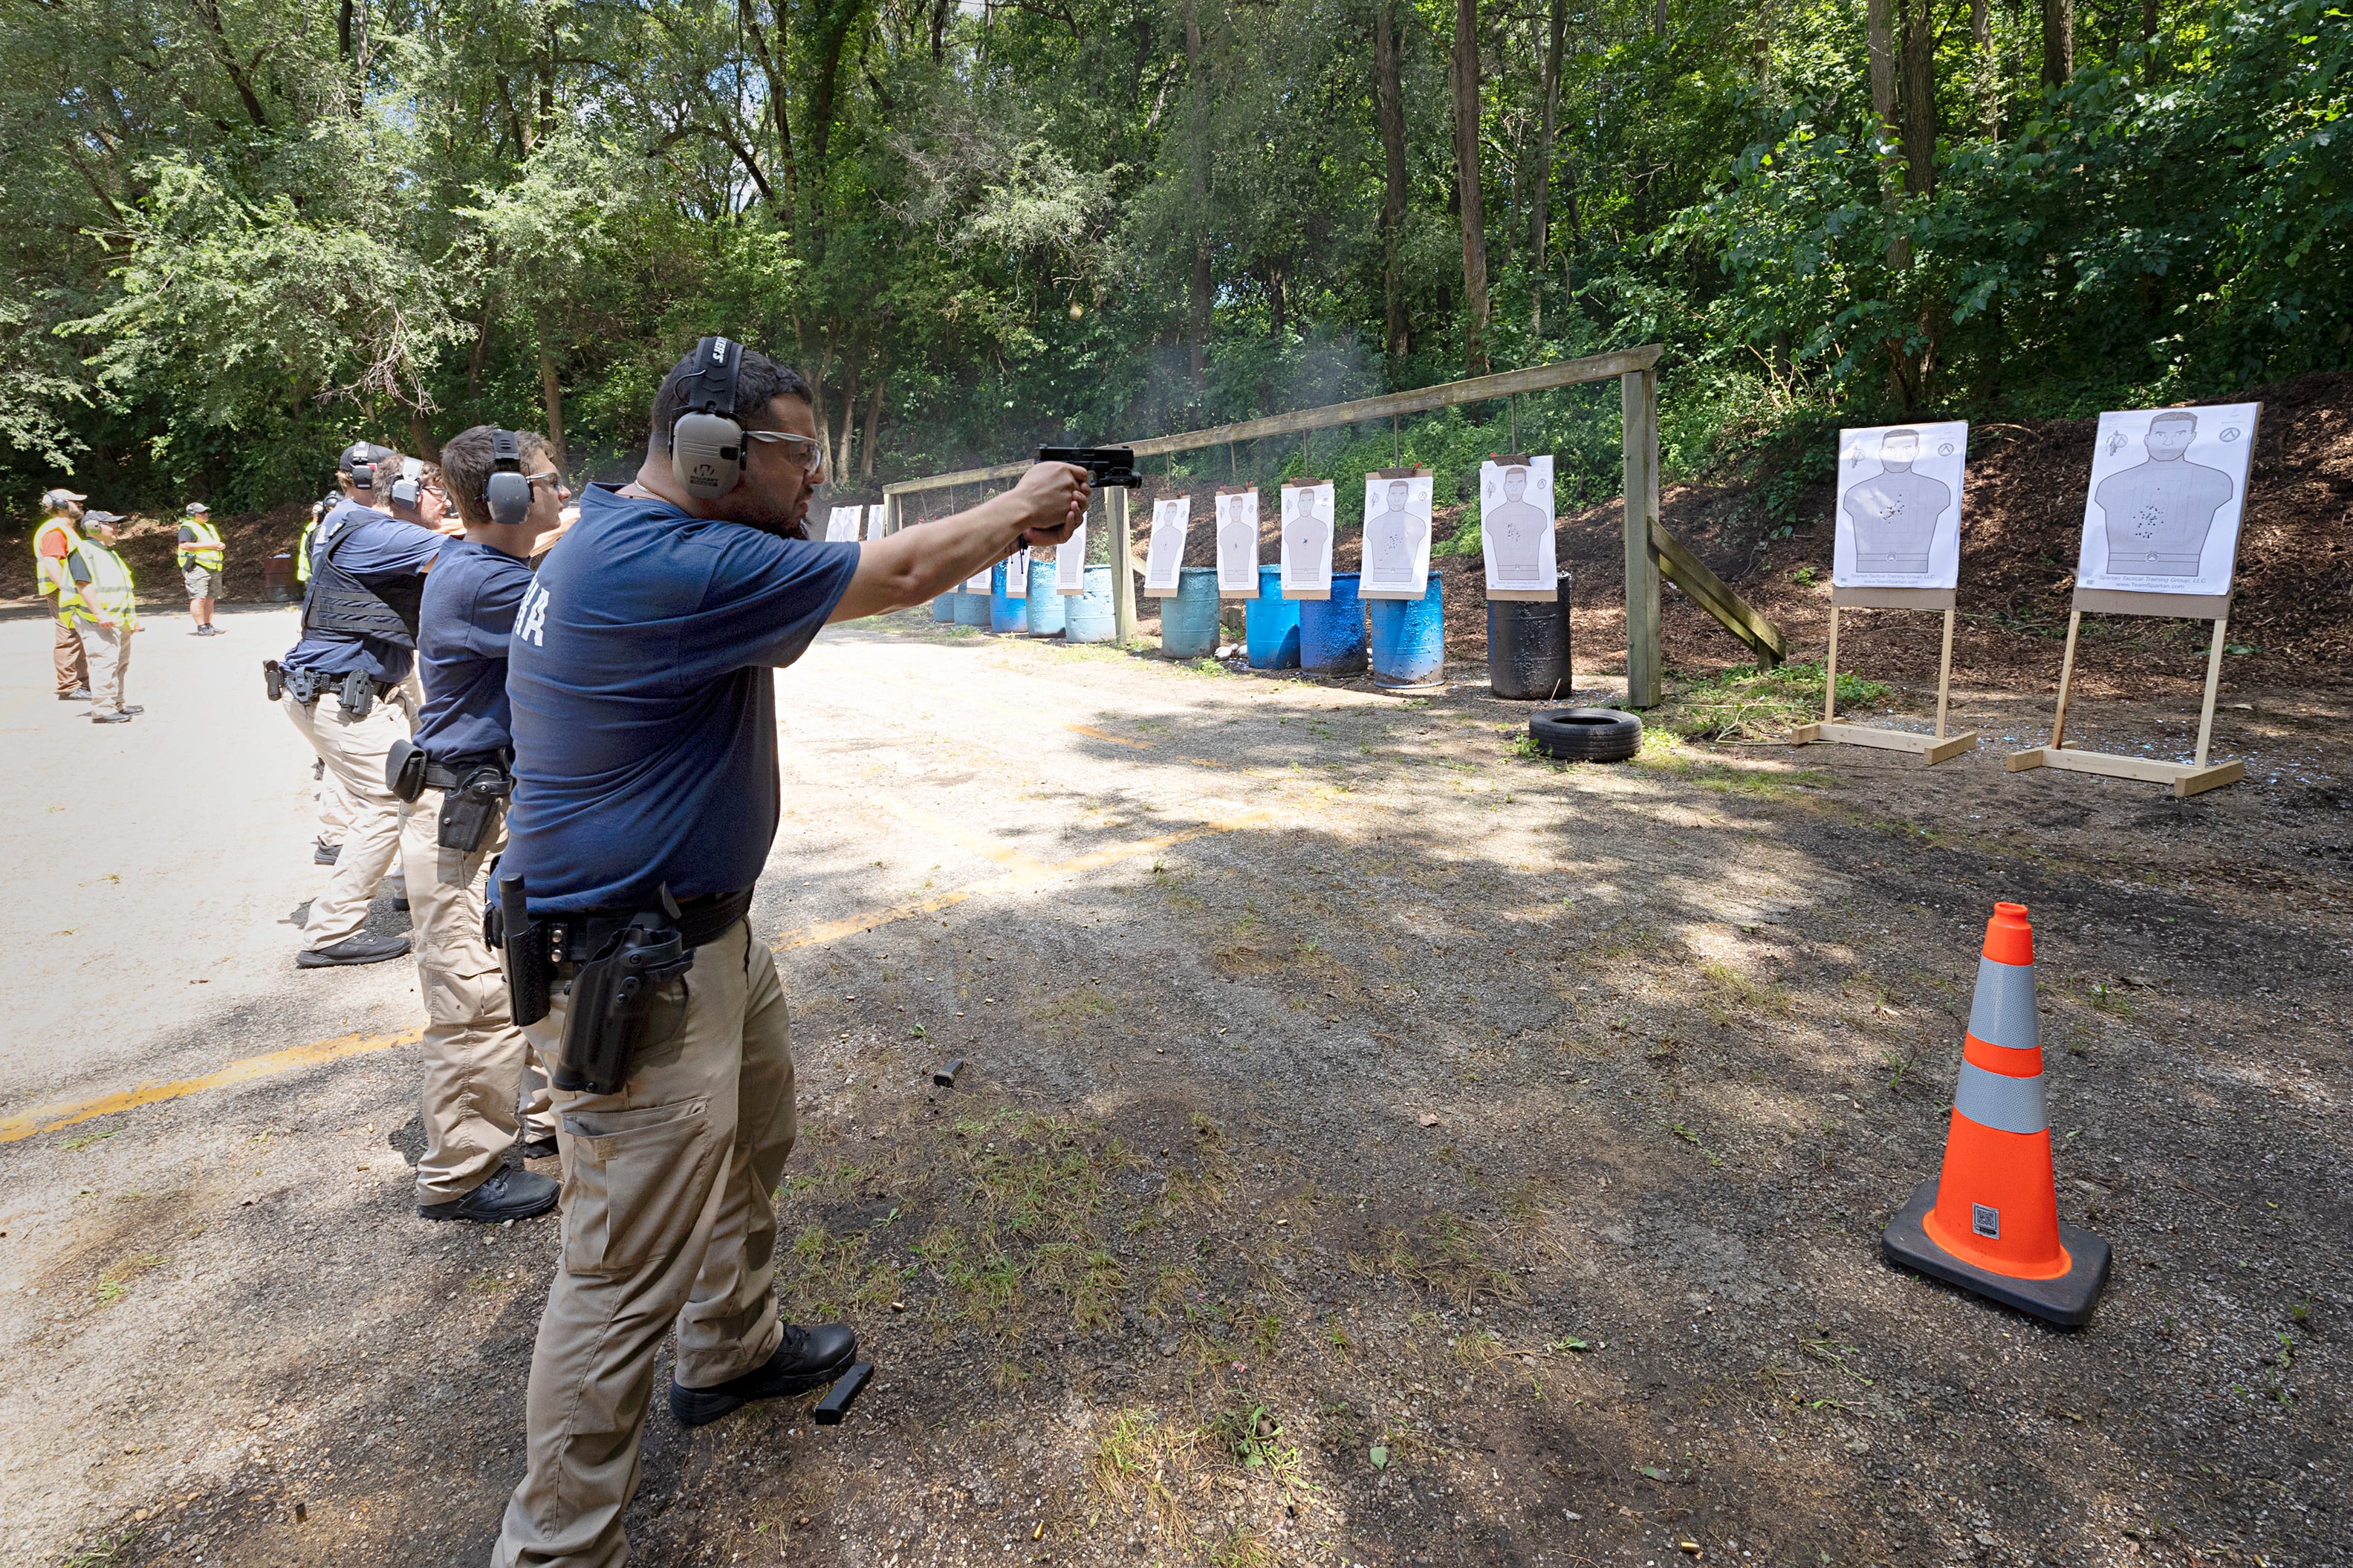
(101, 517)
(57, 498)
(360, 452)
(198, 509)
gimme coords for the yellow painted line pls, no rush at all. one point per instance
(1026, 873)
(49, 1119)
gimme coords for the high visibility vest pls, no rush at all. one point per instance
(108, 586)
(206, 552)
(63, 525)
(303, 551)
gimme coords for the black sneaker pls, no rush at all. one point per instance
(538, 1148)
(109, 718)
(132, 708)
(508, 1195)
(351, 950)
(324, 852)
(809, 1358)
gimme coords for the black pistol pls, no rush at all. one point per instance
(1107, 467)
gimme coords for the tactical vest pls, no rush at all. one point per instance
(49, 525)
(338, 602)
(206, 551)
(109, 588)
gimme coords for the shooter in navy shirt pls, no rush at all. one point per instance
(478, 1076)
(644, 719)
(343, 687)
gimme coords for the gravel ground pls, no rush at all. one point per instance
(1375, 1147)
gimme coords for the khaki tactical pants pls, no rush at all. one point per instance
(108, 649)
(667, 1217)
(477, 1063)
(336, 808)
(72, 664)
(355, 750)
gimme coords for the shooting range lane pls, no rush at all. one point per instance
(1296, 1023)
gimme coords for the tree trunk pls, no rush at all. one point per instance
(481, 352)
(2148, 72)
(2058, 42)
(1919, 97)
(848, 414)
(1988, 67)
(1879, 38)
(1196, 99)
(1538, 237)
(1469, 191)
(873, 423)
(551, 398)
(1389, 92)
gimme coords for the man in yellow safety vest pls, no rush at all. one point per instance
(54, 541)
(107, 610)
(199, 555)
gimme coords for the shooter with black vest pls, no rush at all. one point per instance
(508, 492)
(646, 803)
(358, 645)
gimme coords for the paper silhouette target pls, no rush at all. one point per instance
(1899, 506)
(1238, 545)
(875, 515)
(1017, 575)
(1515, 526)
(842, 525)
(2168, 486)
(1070, 563)
(1172, 517)
(1307, 540)
(1397, 537)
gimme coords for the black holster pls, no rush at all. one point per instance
(612, 1000)
(357, 694)
(273, 679)
(471, 804)
(404, 769)
(528, 949)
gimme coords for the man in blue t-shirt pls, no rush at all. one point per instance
(477, 1065)
(645, 733)
(359, 640)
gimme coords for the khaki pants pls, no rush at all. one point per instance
(354, 751)
(72, 664)
(477, 1063)
(336, 808)
(108, 649)
(667, 1217)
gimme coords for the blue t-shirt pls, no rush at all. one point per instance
(644, 712)
(382, 549)
(462, 630)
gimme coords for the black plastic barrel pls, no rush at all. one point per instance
(1527, 647)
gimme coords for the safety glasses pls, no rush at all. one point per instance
(806, 450)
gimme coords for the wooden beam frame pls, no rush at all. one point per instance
(2194, 777)
(1930, 749)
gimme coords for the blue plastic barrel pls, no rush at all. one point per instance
(1045, 604)
(1332, 631)
(944, 608)
(1188, 623)
(1090, 617)
(1007, 616)
(972, 610)
(1409, 638)
(1271, 624)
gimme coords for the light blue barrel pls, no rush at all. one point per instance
(1045, 604)
(944, 608)
(1409, 638)
(1090, 616)
(1332, 631)
(972, 610)
(1188, 623)
(1271, 624)
(1007, 616)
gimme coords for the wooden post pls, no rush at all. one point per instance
(2066, 674)
(1944, 674)
(1830, 674)
(1122, 571)
(1639, 397)
(2213, 682)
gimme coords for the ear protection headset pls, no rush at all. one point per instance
(507, 493)
(706, 445)
(406, 492)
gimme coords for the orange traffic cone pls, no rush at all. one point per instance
(1990, 1222)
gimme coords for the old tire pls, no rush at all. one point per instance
(1585, 734)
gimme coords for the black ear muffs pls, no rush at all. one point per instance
(706, 445)
(508, 493)
(363, 476)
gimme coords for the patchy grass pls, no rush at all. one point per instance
(1727, 990)
(1745, 703)
(115, 1283)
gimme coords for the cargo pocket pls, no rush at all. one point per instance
(637, 1180)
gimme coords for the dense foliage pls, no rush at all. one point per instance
(243, 230)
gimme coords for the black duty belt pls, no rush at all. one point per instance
(573, 938)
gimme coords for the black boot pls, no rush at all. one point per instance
(508, 1195)
(324, 852)
(809, 1358)
(351, 950)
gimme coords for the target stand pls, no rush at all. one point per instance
(1931, 748)
(2194, 777)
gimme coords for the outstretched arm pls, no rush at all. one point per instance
(920, 562)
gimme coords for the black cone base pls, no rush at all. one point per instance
(2066, 1301)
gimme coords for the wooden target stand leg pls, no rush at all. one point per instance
(2194, 777)
(1930, 749)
